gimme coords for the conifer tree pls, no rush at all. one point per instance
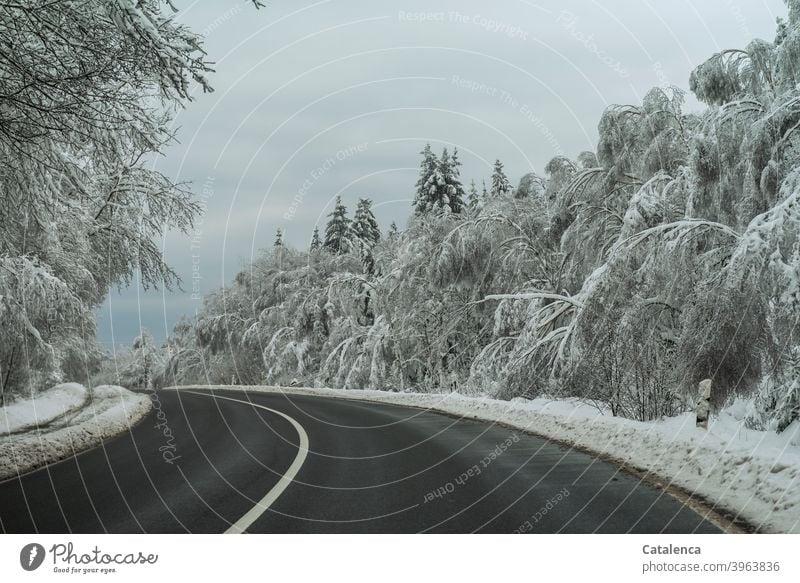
(393, 232)
(365, 227)
(365, 233)
(439, 185)
(427, 172)
(500, 183)
(338, 234)
(474, 200)
(452, 179)
(316, 243)
(278, 239)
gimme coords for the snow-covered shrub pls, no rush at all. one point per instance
(777, 399)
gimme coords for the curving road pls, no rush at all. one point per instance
(311, 464)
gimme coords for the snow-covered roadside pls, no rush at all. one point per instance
(45, 408)
(58, 428)
(752, 474)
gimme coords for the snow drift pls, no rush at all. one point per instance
(43, 409)
(62, 421)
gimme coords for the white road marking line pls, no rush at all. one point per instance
(241, 525)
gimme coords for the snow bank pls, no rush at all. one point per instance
(752, 475)
(104, 412)
(43, 409)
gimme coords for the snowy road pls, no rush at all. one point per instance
(205, 464)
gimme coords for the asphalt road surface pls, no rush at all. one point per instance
(320, 465)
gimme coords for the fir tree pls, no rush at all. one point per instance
(484, 193)
(500, 183)
(393, 232)
(338, 235)
(316, 243)
(278, 239)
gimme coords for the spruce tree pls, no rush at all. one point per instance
(427, 171)
(474, 199)
(500, 183)
(316, 243)
(365, 227)
(452, 178)
(338, 236)
(393, 232)
(278, 239)
(439, 185)
(366, 232)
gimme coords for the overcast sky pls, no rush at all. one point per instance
(316, 99)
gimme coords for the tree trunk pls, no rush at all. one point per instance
(4, 385)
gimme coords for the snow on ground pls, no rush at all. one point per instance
(754, 475)
(64, 428)
(46, 407)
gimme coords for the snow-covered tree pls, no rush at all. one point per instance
(451, 170)
(338, 231)
(142, 366)
(365, 233)
(40, 314)
(530, 185)
(365, 227)
(278, 238)
(183, 362)
(500, 183)
(89, 89)
(429, 182)
(474, 200)
(622, 276)
(316, 242)
(439, 186)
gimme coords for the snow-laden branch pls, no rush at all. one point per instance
(532, 296)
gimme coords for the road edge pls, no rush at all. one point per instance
(44, 449)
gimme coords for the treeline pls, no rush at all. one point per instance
(624, 276)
